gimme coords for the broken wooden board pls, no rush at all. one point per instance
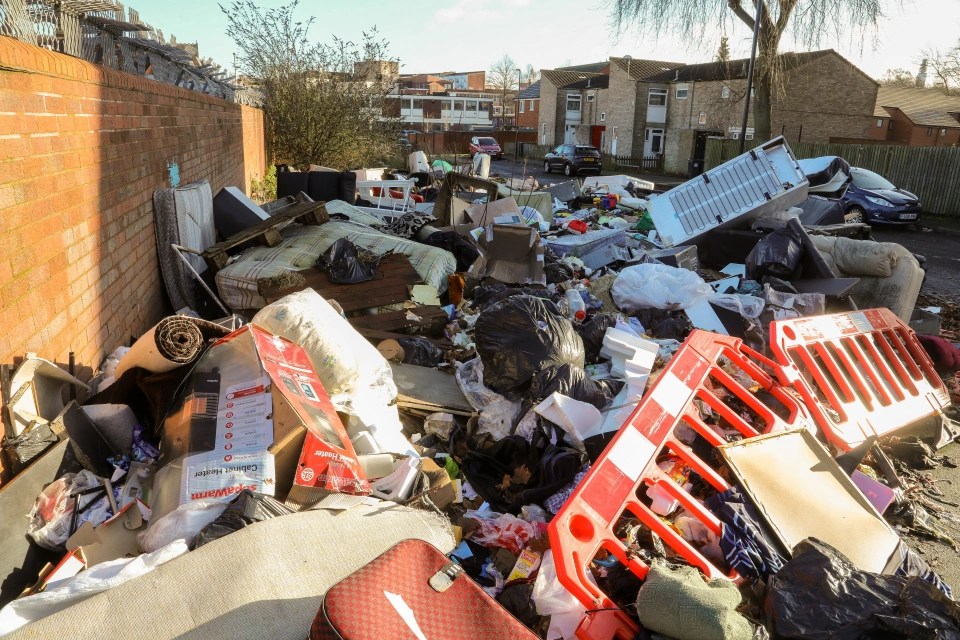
(376, 335)
(266, 233)
(428, 389)
(429, 319)
(390, 285)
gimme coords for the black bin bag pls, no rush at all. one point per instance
(521, 335)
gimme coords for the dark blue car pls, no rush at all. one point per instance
(872, 198)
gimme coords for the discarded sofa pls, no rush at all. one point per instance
(889, 274)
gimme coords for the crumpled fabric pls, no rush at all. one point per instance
(744, 543)
(555, 502)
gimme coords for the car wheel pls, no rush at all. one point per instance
(567, 170)
(546, 167)
(854, 215)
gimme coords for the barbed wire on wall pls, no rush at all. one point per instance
(107, 33)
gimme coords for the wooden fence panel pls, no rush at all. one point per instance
(933, 173)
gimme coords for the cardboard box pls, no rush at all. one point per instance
(241, 422)
(510, 254)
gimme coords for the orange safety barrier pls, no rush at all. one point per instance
(861, 373)
(616, 484)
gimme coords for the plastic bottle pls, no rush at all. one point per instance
(578, 310)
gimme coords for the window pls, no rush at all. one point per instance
(725, 93)
(682, 92)
(522, 105)
(603, 116)
(471, 106)
(879, 122)
(590, 97)
(702, 118)
(890, 125)
(657, 97)
(533, 105)
(573, 102)
(458, 105)
(943, 132)
(929, 131)
(408, 104)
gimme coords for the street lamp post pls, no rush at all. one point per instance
(753, 59)
(516, 124)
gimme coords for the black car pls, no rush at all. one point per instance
(572, 159)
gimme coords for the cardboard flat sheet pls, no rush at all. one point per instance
(803, 492)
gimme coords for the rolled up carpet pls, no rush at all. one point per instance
(171, 343)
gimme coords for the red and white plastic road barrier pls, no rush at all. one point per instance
(612, 489)
(861, 373)
(857, 374)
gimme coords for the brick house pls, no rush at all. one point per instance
(603, 104)
(824, 97)
(646, 108)
(528, 106)
(916, 116)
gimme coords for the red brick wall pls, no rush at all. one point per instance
(531, 111)
(82, 149)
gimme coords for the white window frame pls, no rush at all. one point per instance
(521, 105)
(943, 132)
(656, 92)
(702, 118)
(603, 116)
(590, 97)
(577, 98)
(682, 92)
(879, 123)
(725, 92)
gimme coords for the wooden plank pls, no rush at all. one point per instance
(376, 335)
(390, 285)
(431, 318)
(265, 232)
(426, 386)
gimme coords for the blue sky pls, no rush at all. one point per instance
(467, 35)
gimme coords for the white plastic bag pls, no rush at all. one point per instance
(549, 595)
(747, 306)
(183, 523)
(52, 513)
(352, 371)
(658, 286)
(497, 413)
(101, 577)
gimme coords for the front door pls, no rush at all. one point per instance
(569, 134)
(652, 142)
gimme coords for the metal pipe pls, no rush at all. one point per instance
(753, 58)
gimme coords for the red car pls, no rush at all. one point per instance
(488, 146)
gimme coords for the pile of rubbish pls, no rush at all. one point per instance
(619, 412)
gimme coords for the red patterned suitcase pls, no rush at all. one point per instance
(413, 592)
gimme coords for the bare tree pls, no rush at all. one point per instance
(502, 79)
(944, 68)
(898, 78)
(811, 22)
(530, 75)
(324, 103)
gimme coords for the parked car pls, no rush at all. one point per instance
(572, 159)
(488, 146)
(872, 198)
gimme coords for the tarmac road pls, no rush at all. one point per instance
(941, 247)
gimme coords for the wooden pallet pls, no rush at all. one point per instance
(266, 232)
(391, 285)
